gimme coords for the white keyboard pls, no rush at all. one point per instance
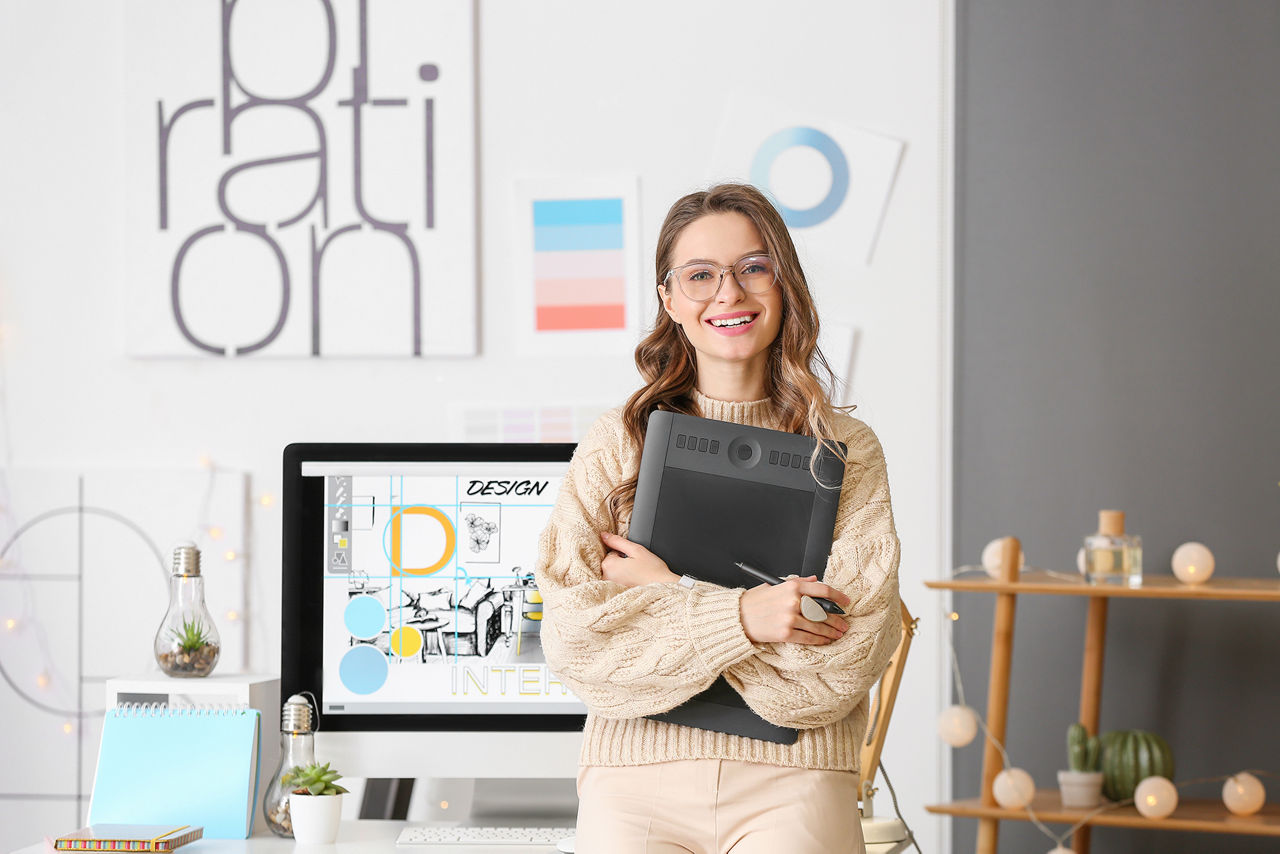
(483, 835)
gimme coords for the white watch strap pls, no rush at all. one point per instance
(687, 581)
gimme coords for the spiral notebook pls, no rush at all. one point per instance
(192, 766)
(128, 837)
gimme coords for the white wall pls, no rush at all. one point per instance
(565, 88)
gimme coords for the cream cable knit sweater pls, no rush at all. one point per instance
(627, 653)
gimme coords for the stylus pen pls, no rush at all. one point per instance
(760, 575)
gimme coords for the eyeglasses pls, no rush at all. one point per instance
(701, 280)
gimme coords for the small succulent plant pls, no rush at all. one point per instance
(313, 779)
(1083, 750)
(192, 636)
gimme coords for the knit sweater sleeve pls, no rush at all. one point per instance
(806, 686)
(625, 652)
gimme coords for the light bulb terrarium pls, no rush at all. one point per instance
(297, 750)
(187, 642)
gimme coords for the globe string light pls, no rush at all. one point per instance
(1059, 840)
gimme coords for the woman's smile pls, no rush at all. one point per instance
(733, 323)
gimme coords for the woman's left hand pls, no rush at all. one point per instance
(631, 564)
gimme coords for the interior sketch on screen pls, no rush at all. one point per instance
(429, 596)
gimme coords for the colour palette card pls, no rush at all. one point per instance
(579, 263)
(579, 267)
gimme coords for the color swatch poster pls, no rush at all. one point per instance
(580, 264)
(507, 422)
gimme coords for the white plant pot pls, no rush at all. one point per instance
(315, 818)
(1080, 789)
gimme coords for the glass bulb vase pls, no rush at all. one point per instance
(187, 642)
(297, 749)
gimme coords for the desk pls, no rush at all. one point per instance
(355, 837)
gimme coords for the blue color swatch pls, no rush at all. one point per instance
(568, 238)
(578, 212)
(363, 669)
(364, 617)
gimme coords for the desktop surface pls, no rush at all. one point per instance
(354, 837)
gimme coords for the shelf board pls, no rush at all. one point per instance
(1200, 815)
(1153, 587)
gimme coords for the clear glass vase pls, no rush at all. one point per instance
(187, 642)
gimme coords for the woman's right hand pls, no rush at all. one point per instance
(771, 613)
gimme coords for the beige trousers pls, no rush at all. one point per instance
(717, 806)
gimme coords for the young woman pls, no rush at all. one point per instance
(736, 340)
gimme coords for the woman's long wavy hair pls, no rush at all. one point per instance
(800, 400)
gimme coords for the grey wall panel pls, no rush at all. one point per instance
(1118, 345)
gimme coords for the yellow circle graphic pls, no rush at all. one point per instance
(450, 540)
(406, 641)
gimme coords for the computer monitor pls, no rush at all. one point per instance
(411, 613)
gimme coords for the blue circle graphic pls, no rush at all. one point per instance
(819, 142)
(364, 617)
(363, 669)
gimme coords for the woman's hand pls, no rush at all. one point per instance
(631, 564)
(771, 613)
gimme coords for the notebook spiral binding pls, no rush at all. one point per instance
(153, 710)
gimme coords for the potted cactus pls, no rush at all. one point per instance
(1081, 784)
(315, 803)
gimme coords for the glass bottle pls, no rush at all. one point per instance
(187, 642)
(1111, 556)
(297, 747)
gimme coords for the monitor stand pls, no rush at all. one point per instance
(495, 802)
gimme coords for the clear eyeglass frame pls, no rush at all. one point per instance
(752, 284)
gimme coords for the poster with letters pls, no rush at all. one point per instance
(299, 178)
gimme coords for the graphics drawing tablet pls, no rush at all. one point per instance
(711, 493)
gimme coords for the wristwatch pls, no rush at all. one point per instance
(687, 581)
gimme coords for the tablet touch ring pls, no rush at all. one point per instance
(811, 610)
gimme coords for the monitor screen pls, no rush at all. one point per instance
(409, 598)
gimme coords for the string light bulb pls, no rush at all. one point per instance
(267, 499)
(68, 728)
(10, 625)
(229, 554)
(1243, 794)
(953, 616)
(1193, 563)
(1080, 564)
(43, 679)
(232, 616)
(957, 725)
(1156, 797)
(1013, 788)
(991, 557)
(1062, 850)
(215, 533)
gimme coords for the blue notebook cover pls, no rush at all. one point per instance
(196, 766)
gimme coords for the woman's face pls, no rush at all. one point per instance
(723, 239)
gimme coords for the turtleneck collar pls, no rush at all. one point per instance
(757, 413)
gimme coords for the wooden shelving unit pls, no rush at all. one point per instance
(1153, 587)
(1204, 816)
